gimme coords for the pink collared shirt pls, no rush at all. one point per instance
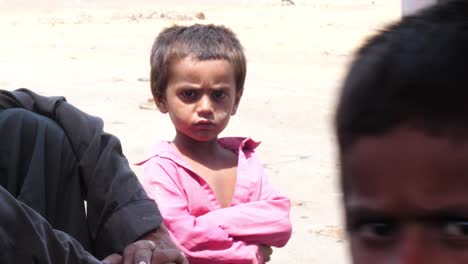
(206, 232)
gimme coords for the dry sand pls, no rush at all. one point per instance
(96, 53)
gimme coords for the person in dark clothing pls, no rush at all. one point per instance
(53, 157)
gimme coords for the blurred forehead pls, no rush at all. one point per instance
(405, 169)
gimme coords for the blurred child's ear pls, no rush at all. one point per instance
(160, 101)
(237, 101)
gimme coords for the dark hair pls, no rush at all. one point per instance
(414, 72)
(202, 42)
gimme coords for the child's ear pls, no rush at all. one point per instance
(161, 103)
(237, 101)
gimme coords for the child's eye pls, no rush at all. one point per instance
(456, 230)
(218, 95)
(189, 94)
(376, 232)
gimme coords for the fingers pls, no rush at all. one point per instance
(169, 256)
(112, 259)
(269, 250)
(266, 252)
(139, 252)
(143, 256)
(161, 237)
(145, 252)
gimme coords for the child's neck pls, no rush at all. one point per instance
(197, 150)
(216, 165)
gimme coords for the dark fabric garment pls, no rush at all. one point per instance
(38, 170)
(118, 210)
(26, 237)
(38, 167)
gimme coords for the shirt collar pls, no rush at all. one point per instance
(165, 149)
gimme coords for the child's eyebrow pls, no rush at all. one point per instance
(221, 87)
(187, 84)
(444, 214)
(423, 214)
(364, 212)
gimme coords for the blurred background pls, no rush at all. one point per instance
(96, 54)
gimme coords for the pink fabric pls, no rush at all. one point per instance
(206, 232)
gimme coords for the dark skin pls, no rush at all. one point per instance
(200, 98)
(155, 247)
(406, 198)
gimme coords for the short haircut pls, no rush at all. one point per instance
(202, 42)
(415, 73)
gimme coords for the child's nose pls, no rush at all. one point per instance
(205, 104)
(415, 246)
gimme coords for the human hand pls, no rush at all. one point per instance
(163, 249)
(266, 252)
(145, 252)
(113, 259)
(153, 248)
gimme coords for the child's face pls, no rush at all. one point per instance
(200, 97)
(406, 198)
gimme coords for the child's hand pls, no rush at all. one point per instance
(266, 252)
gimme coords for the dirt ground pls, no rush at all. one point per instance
(96, 53)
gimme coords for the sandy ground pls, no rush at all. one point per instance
(96, 53)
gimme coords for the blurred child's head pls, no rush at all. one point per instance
(200, 42)
(402, 129)
(197, 77)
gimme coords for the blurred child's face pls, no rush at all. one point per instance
(200, 97)
(406, 198)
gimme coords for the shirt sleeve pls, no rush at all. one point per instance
(118, 209)
(265, 221)
(200, 239)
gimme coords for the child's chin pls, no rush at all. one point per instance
(204, 138)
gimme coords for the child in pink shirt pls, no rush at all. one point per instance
(212, 192)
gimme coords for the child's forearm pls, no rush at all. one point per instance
(260, 222)
(238, 253)
(205, 241)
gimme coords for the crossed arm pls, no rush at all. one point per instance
(228, 234)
